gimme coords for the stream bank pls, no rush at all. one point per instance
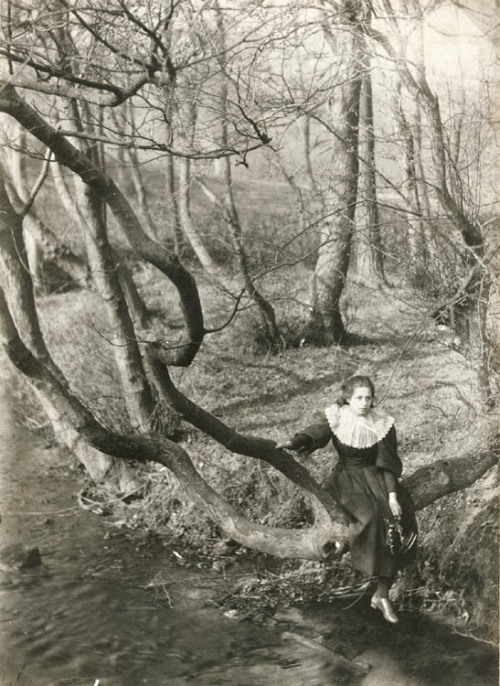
(111, 606)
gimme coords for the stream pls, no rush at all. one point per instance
(88, 615)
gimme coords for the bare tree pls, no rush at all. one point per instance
(469, 303)
(326, 325)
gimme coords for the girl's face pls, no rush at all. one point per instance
(361, 400)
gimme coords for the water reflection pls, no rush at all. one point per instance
(87, 616)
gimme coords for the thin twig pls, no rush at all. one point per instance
(474, 638)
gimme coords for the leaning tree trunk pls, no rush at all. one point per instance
(130, 160)
(138, 310)
(272, 334)
(423, 188)
(187, 223)
(188, 226)
(17, 293)
(493, 317)
(137, 394)
(136, 390)
(326, 325)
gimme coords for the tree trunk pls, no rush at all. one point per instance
(173, 204)
(326, 325)
(136, 390)
(137, 308)
(134, 170)
(471, 312)
(272, 334)
(16, 279)
(140, 314)
(97, 465)
(140, 191)
(187, 127)
(187, 223)
(422, 191)
(70, 270)
(415, 229)
(369, 256)
(493, 317)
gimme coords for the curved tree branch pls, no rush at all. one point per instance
(444, 477)
(311, 543)
(152, 252)
(249, 446)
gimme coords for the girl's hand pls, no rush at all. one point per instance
(286, 445)
(395, 506)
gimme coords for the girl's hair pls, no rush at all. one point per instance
(348, 387)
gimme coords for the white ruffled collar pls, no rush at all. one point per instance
(355, 431)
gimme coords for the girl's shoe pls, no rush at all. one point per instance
(384, 605)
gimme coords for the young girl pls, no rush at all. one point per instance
(365, 484)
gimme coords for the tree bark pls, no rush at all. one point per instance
(443, 477)
(187, 224)
(493, 316)
(368, 249)
(326, 325)
(16, 279)
(138, 309)
(134, 170)
(136, 391)
(415, 229)
(140, 314)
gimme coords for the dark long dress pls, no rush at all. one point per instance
(360, 484)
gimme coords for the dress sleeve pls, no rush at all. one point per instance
(388, 459)
(390, 481)
(314, 436)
